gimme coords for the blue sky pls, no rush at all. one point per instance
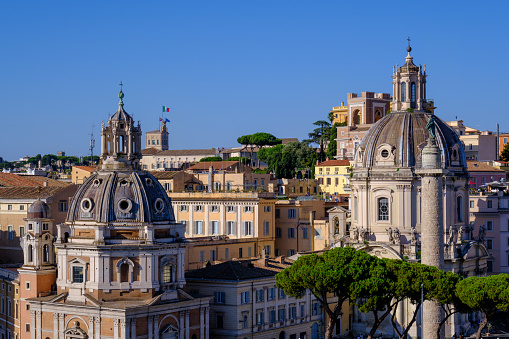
(229, 68)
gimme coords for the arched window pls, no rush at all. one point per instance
(336, 225)
(45, 253)
(378, 115)
(403, 91)
(167, 274)
(459, 208)
(383, 209)
(124, 272)
(412, 94)
(30, 254)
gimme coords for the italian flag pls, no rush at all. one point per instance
(166, 109)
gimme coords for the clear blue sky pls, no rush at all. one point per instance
(229, 68)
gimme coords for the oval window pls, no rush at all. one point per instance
(86, 205)
(385, 153)
(159, 204)
(124, 205)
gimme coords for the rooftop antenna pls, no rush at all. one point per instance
(92, 145)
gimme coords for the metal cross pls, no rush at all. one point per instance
(408, 41)
(121, 85)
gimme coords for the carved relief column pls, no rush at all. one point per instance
(115, 328)
(91, 326)
(187, 324)
(39, 324)
(61, 324)
(150, 327)
(202, 322)
(55, 325)
(97, 330)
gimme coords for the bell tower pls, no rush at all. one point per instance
(409, 85)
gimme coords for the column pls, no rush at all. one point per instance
(207, 326)
(187, 324)
(256, 227)
(61, 323)
(202, 322)
(207, 219)
(97, 330)
(55, 325)
(91, 326)
(39, 324)
(133, 328)
(181, 324)
(123, 333)
(115, 328)
(239, 221)
(156, 327)
(32, 324)
(150, 326)
(130, 145)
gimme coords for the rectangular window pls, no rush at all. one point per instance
(10, 233)
(260, 318)
(240, 252)
(183, 208)
(291, 232)
(9, 207)
(281, 294)
(302, 310)
(202, 256)
(489, 225)
(267, 250)
(63, 206)
(248, 209)
(278, 232)
(383, 209)
(45, 226)
(27, 327)
(219, 297)
(281, 315)
(315, 308)
(266, 228)
(231, 227)
(77, 274)
(167, 186)
(271, 293)
(9, 307)
(245, 297)
(291, 252)
(219, 321)
(266, 208)
(230, 209)
(337, 181)
(212, 255)
(305, 233)
(21, 231)
(198, 208)
(272, 316)
(214, 208)
(277, 213)
(293, 312)
(490, 266)
(198, 227)
(489, 244)
(249, 252)
(214, 227)
(260, 295)
(226, 254)
(248, 228)
(490, 204)
(471, 204)
(292, 213)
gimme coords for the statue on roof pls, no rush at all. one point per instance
(430, 126)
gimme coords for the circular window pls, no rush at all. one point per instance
(123, 183)
(149, 181)
(124, 205)
(86, 204)
(97, 182)
(385, 153)
(159, 205)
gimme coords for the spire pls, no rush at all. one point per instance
(121, 95)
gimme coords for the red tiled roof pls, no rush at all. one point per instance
(217, 165)
(149, 151)
(32, 192)
(10, 180)
(164, 174)
(334, 163)
(86, 168)
(477, 166)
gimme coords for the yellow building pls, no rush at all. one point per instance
(80, 173)
(339, 114)
(333, 177)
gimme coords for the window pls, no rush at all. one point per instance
(459, 208)
(63, 206)
(471, 204)
(45, 226)
(219, 297)
(183, 208)
(272, 316)
(383, 209)
(198, 208)
(21, 231)
(291, 232)
(198, 227)
(260, 318)
(244, 297)
(266, 228)
(277, 252)
(214, 208)
(293, 312)
(315, 308)
(9, 207)
(27, 286)
(267, 250)
(10, 233)
(248, 209)
(30, 227)
(240, 252)
(278, 232)
(281, 294)
(245, 322)
(260, 295)
(248, 228)
(490, 266)
(45, 253)
(202, 256)
(302, 310)
(291, 252)
(226, 254)
(212, 255)
(9, 307)
(403, 91)
(292, 213)
(77, 274)
(230, 209)
(271, 293)
(220, 321)
(266, 208)
(328, 181)
(167, 186)
(214, 227)
(249, 252)
(490, 204)
(489, 225)
(231, 227)
(489, 244)
(305, 233)
(30, 253)
(27, 327)
(167, 274)
(281, 314)
(412, 92)
(277, 213)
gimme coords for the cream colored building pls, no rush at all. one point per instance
(247, 303)
(479, 145)
(80, 173)
(157, 139)
(333, 178)
(293, 188)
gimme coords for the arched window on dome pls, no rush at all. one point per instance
(383, 209)
(403, 91)
(45, 253)
(378, 115)
(412, 95)
(459, 208)
(30, 253)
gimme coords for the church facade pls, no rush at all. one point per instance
(116, 267)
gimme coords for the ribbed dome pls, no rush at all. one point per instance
(129, 197)
(39, 210)
(121, 114)
(398, 139)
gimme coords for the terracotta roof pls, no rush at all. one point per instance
(184, 152)
(334, 163)
(237, 270)
(217, 165)
(32, 192)
(477, 166)
(149, 151)
(10, 179)
(164, 174)
(86, 168)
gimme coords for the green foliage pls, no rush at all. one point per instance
(244, 160)
(320, 135)
(504, 156)
(284, 159)
(259, 139)
(410, 110)
(333, 134)
(208, 159)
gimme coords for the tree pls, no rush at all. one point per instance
(504, 156)
(260, 139)
(320, 135)
(486, 294)
(284, 159)
(208, 159)
(336, 272)
(333, 134)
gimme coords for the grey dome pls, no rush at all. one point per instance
(402, 136)
(124, 197)
(39, 210)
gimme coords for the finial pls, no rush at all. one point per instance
(408, 49)
(121, 94)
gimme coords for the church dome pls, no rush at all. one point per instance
(39, 210)
(121, 197)
(397, 141)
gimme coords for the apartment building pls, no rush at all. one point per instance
(333, 178)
